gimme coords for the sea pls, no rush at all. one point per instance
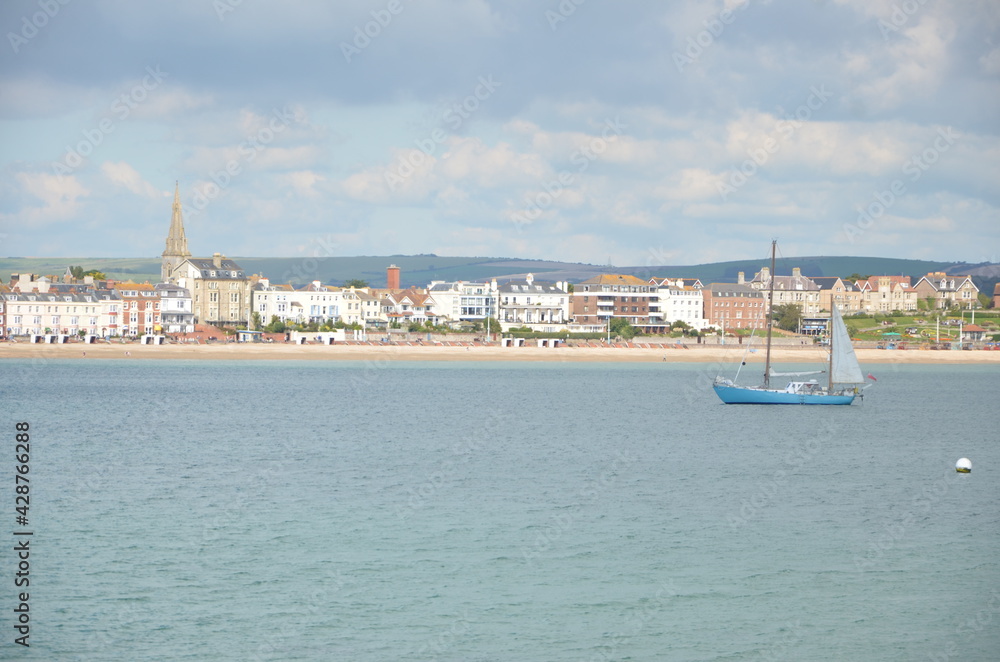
(466, 511)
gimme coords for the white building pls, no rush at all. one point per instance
(531, 303)
(461, 301)
(48, 308)
(362, 307)
(679, 299)
(176, 313)
(405, 307)
(312, 303)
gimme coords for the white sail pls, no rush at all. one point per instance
(844, 368)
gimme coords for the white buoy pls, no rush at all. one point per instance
(964, 466)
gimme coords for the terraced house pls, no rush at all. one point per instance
(797, 289)
(140, 308)
(314, 302)
(883, 294)
(946, 291)
(38, 306)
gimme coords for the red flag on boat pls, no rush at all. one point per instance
(872, 377)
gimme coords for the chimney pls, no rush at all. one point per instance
(741, 278)
(796, 272)
(265, 282)
(392, 277)
(217, 260)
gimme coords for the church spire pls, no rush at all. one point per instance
(177, 247)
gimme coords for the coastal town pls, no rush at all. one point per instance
(195, 294)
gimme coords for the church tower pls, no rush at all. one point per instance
(177, 246)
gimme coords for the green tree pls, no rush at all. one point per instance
(985, 299)
(788, 316)
(275, 325)
(254, 320)
(356, 283)
(621, 327)
(77, 272)
(97, 275)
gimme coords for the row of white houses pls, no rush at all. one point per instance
(32, 305)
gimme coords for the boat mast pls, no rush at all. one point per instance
(770, 301)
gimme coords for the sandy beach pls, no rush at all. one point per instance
(344, 352)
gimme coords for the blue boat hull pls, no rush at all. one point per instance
(736, 395)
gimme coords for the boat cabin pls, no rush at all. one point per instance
(811, 386)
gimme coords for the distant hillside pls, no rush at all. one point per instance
(418, 270)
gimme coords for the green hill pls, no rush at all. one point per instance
(418, 270)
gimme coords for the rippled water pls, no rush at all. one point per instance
(463, 511)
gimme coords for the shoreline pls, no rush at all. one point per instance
(345, 352)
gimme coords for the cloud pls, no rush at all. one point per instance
(124, 175)
(59, 195)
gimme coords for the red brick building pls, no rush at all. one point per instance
(597, 299)
(140, 308)
(735, 306)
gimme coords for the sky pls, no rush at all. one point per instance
(625, 133)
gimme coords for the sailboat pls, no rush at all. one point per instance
(844, 372)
